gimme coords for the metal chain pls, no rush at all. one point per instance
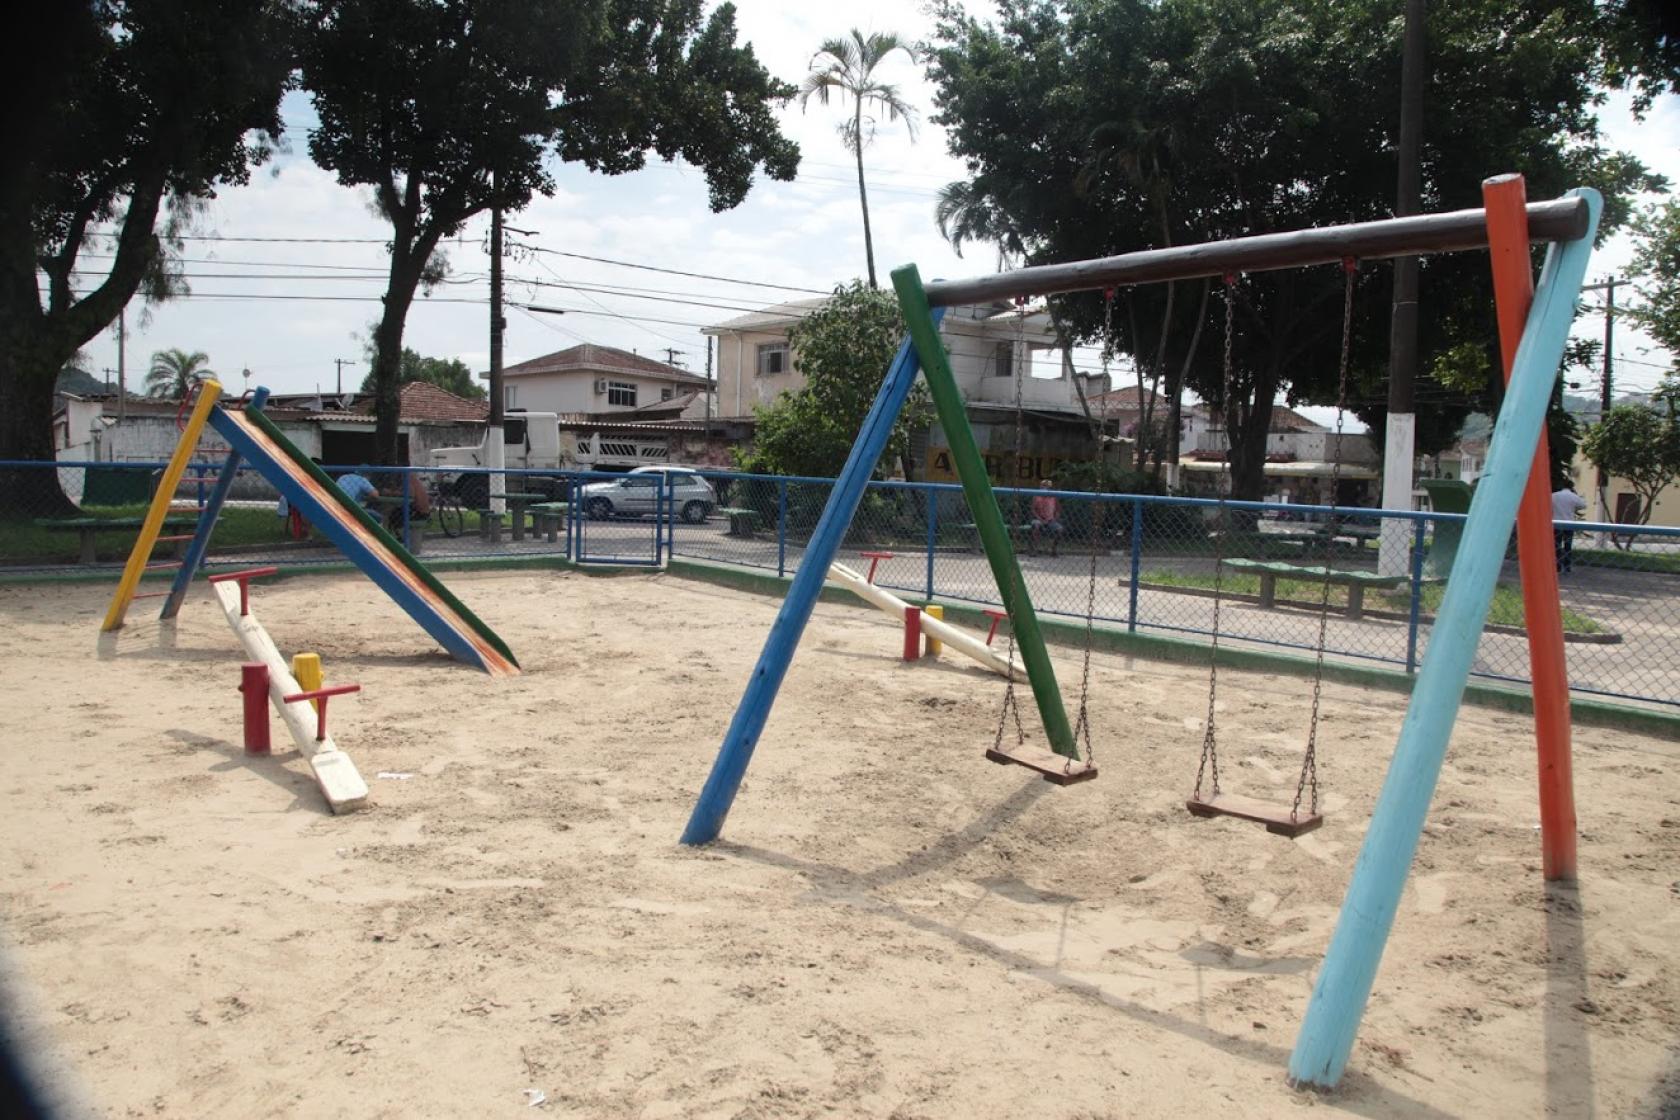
(1082, 728)
(1011, 705)
(1210, 741)
(1309, 764)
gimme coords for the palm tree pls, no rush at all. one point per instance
(173, 373)
(847, 67)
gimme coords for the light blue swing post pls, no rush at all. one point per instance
(718, 794)
(1385, 858)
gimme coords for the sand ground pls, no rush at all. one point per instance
(892, 928)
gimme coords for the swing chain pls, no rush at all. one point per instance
(1307, 785)
(1210, 740)
(1011, 705)
(1082, 728)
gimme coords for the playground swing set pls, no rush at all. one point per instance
(1534, 324)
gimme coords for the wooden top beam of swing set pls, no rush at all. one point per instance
(1562, 219)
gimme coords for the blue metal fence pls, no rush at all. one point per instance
(1156, 558)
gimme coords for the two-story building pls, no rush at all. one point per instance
(987, 346)
(602, 381)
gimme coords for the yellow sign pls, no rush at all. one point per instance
(1003, 470)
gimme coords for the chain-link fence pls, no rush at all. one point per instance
(1147, 564)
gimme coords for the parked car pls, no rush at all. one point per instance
(638, 493)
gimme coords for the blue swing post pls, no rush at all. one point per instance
(718, 794)
(1385, 858)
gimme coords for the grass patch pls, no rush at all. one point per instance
(1615, 559)
(24, 542)
(1506, 610)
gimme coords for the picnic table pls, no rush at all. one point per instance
(547, 517)
(86, 527)
(518, 502)
(742, 522)
(1356, 582)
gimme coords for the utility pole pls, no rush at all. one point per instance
(122, 374)
(495, 452)
(1400, 439)
(1605, 390)
(671, 353)
(708, 385)
(340, 363)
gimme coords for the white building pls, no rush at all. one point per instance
(591, 380)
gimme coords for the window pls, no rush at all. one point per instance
(513, 431)
(1003, 360)
(772, 358)
(622, 393)
(510, 396)
(667, 393)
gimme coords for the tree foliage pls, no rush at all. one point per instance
(1639, 445)
(450, 374)
(1096, 127)
(119, 117)
(174, 373)
(1656, 271)
(447, 108)
(845, 67)
(842, 349)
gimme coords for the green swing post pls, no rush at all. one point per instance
(982, 503)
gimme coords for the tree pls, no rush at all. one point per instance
(842, 349)
(1639, 445)
(1099, 127)
(448, 108)
(846, 67)
(175, 372)
(1656, 271)
(120, 118)
(450, 374)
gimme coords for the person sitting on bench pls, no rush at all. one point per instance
(419, 501)
(1045, 519)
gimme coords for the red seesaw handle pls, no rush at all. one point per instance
(321, 694)
(244, 578)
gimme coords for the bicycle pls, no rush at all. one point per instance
(447, 509)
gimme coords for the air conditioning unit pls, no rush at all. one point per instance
(600, 384)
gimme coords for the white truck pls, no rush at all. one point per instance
(535, 441)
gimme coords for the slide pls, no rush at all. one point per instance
(255, 438)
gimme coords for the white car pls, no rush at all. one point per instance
(638, 493)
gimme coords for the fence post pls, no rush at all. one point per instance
(932, 499)
(1137, 563)
(781, 528)
(1417, 596)
(403, 480)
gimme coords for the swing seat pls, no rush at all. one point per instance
(1276, 818)
(1057, 769)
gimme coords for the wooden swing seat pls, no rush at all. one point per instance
(1275, 817)
(1057, 769)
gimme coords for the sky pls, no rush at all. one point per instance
(287, 270)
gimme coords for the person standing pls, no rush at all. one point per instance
(1046, 511)
(1566, 506)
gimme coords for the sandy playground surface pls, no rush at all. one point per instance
(893, 927)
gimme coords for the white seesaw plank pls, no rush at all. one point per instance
(341, 784)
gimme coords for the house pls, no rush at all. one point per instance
(1462, 461)
(1302, 456)
(332, 429)
(1123, 410)
(1618, 500)
(987, 345)
(603, 382)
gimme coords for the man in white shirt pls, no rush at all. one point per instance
(1566, 506)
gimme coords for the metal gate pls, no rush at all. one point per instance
(620, 519)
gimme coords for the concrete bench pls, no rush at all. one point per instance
(490, 525)
(1270, 571)
(87, 527)
(742, 522)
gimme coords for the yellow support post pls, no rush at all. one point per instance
(306, 667)
(209, 392)
(935, 647)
